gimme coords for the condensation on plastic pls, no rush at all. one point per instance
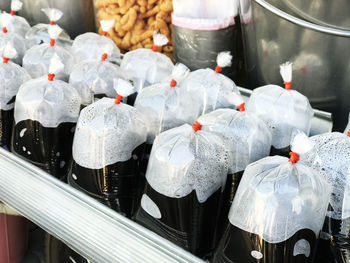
(246, 137)
(347, 129)
(93, 77)
(282, 110)
(276, 198)
(331, 157)
(16, 24)
(183, 160)
(92, 46)
(214, 90)
(90, 228)
(146, 67)
(48, 102)
(107, 133)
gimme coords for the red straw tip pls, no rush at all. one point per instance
(348, 133)
(118, 99)
(218, 69)
(52, 22)
(5, 59)
(155, 48)
(104, 33)
(50, 76)
(196, 126)
(287, 85)
(241, 107)
(173, 83)
(13, 12)
(52, 42)
(104, 57)
(294, 157)
(4, 29)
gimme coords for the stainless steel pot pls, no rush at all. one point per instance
(319, 53)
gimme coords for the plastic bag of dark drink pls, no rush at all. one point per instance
(213, 89)
(278, 211)
(12, 77)
(94, 78)
(17, 24)
(185, 177)
(107, 151)
(38, 34)
(12, 38)
(37, 59)
(283, 110)
(331, 157)
(46, 112)
(91, 45)
(147, 66)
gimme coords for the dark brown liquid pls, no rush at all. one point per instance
(184, 221)
(119, 185)
(237, 247)
(47, 148)
(281, 152)
(6, 124)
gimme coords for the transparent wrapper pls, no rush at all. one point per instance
(91, 46)
(246, 137)
(15, 40)
(213, 89)
(282, 110)
(16, 24)
(38, 35)
(147, 67)
(94, 78)
(37, 60)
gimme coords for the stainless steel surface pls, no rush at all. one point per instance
(90, 228)
(321, 122)
(78, 18)
(320, 56)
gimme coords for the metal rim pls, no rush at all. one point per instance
(301, 22)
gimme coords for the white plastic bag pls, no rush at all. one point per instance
(147, 66)
(38, 34)
(245, 136)
(283, 110)
(37, 59)
(213, 89)
(95, 77)
(166, 105)
(17, 24)
(91, 45)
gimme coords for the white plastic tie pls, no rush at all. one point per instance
(159, 39)
(56, 65)
(106, 25)
(53, 14)
(237, 99)
(180, 72)
(16, 5)
(54, 31)
(286, 71)
(123, 87)
(301, 143)
(224, 59)
(8, 51)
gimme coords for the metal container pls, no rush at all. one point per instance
(273, 33)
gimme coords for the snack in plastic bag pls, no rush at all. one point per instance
(283, 110)
(12, 38)
(46, 112)
(12, 77)
(91, 45)
(37, 59)
(38, 34)
(147, 66)
(331, 157)
(17, 24)
(107, 149)
(278, 211)
(212, 88)
(95, 78)
(186, 176)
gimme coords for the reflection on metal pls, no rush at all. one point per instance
(88, 227)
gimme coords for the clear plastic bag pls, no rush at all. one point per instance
(278, 210)
(46, 111)
(12, 76)
(147, 66)
(213, 89)
(166, 105)
(37, 59)
(16, 24)
(38, 34)
(91, 45)
(107, 149)
(95, 78)
(186, 176)
(283, 110)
